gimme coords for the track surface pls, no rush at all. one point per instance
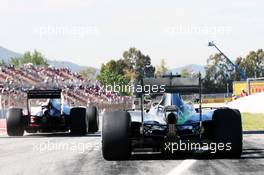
(62, 154)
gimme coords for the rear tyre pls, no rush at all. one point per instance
(14, 122)
(228, 131)
(93, 119)
(78, 121)
(116, 135)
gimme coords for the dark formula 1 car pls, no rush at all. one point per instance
(53, 116)
(172, 126)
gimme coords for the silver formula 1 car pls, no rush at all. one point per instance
(172, 125)
(51, 116)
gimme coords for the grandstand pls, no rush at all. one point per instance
(79, 91)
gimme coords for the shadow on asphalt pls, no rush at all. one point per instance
(253, 132)
(41, 135)
(251, 153)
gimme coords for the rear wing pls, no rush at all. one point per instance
(173, 84)
(38, 94)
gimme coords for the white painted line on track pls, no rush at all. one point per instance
(183, 166)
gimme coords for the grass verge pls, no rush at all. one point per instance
(253, 122)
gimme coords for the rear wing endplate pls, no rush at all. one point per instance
(38, 94)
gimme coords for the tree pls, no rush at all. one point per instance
(2, 63)
(137, 63)
(112, 74)
(109, 77)
(15, 61)
(240, 69)
(27, 58)
(88, 73)
(130, 68)
(186, 72)
(36, 58)
(218, 74)
(252, 65)
(161, 69)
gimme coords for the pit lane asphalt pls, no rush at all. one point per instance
(63, 154)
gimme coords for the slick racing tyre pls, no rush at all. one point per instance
(92, 118)
(15, 122)
(227, 129)
(116, 135)
(78, 121)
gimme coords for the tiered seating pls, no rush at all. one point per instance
(79, 90)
